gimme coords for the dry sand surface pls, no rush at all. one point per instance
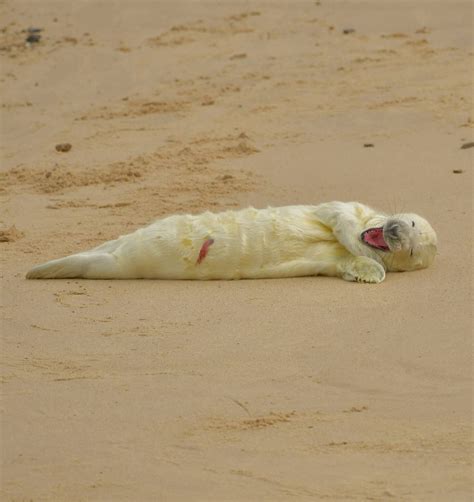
(297, 389)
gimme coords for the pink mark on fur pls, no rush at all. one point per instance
(204, 250)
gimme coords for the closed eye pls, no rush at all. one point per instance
(412, 223)
(411, 252)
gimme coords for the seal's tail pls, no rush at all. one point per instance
(91, 265)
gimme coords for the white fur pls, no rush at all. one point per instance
(256, 243)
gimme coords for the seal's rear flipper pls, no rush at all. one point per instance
(86, 265)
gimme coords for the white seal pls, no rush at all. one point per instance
(342, 239)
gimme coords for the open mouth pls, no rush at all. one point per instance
(373, 237)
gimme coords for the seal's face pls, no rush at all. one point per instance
(403, 242)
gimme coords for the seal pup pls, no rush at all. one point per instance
(342, 239)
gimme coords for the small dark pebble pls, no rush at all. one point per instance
(457, 171)
(347, 31)
(368, 145)
(63, 147)
(467, 145)
(33, 38)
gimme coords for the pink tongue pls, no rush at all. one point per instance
(375, 237)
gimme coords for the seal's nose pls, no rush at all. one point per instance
(393, 229)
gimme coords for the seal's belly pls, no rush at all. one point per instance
(229, 245)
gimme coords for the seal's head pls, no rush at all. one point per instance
(402, 241)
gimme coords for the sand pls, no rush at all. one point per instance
(297, 389)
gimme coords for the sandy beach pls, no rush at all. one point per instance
(268, 390)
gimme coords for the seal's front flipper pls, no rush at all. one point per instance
(362, 269)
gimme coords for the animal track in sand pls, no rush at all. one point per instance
(288, 489)
(198, 30)
(11, 234)
(137, 108)
(395, 102)
(413, 443)
(59, 178)
(175, 97)
(261, 422)
(184, 166)
(61, 204)
(14, 46)
(80, 299)
(55, 369)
